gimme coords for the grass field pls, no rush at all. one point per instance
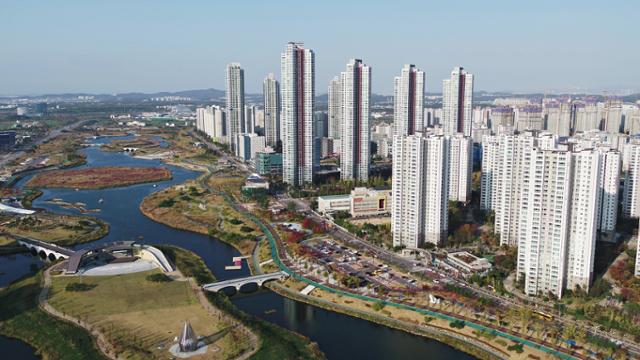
(275, 342)
(142, 317)
(20, 317)
(189, 207)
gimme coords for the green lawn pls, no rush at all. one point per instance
(140, 317)
(20, 317)
(275, 342)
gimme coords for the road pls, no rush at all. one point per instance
(52, 134)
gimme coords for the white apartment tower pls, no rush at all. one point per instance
(335, 111)
(501, 183)
(298, 98)
(211, 120)
(235, 103)
(586, 116)
(356, 134)
(631, 192)
(408, 101)
(558, 118)
(558, 220)
(608, 188)
(460, 167)
(271, 93)
(612, 121)
(419, 190)
(457, 102)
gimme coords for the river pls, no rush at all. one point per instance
(339, 336)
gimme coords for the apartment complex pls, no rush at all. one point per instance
(212, 121)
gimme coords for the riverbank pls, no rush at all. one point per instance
(137, 324)
(193, 208)
(64, 230)
(20, 316)
(475, 347)
(275, 342)
(94, 178)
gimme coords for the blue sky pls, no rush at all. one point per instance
(142, 45)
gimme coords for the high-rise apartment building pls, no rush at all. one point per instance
(408, 101)
(586, 116)
(631, 192)
(335, 111)
(235, 103)
(211, 120)
(501, 116)
(271, 93)
(557, 117)
(457, 102)
(529, 117)
(557, 222)
(419, 190)
(298, 100)
(460, 167)
(501, 183)
(612, 121)
(356, 89)
(608, 188)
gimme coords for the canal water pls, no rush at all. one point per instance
(339, 336)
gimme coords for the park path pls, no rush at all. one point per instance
(221, 315)
(43, 301)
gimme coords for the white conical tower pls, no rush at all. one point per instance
(188, 340)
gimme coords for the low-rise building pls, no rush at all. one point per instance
(359, 203)
(333, 203)
(248, 145)
(7, 139)
(255, 182)
(468, 262)
(370, 202)
(268, 162)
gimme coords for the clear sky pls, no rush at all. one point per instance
(167, 45)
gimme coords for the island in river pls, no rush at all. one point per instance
(99, 177)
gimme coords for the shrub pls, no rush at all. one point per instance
(457, 324)
(235, 221)
(158, 278)
(377, 306)
(246, 229)
(167, 203)
(79, 287)
(516, 347)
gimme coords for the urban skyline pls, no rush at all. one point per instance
(362, 188)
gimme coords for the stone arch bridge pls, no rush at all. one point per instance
(50, 251)
(238, 283)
